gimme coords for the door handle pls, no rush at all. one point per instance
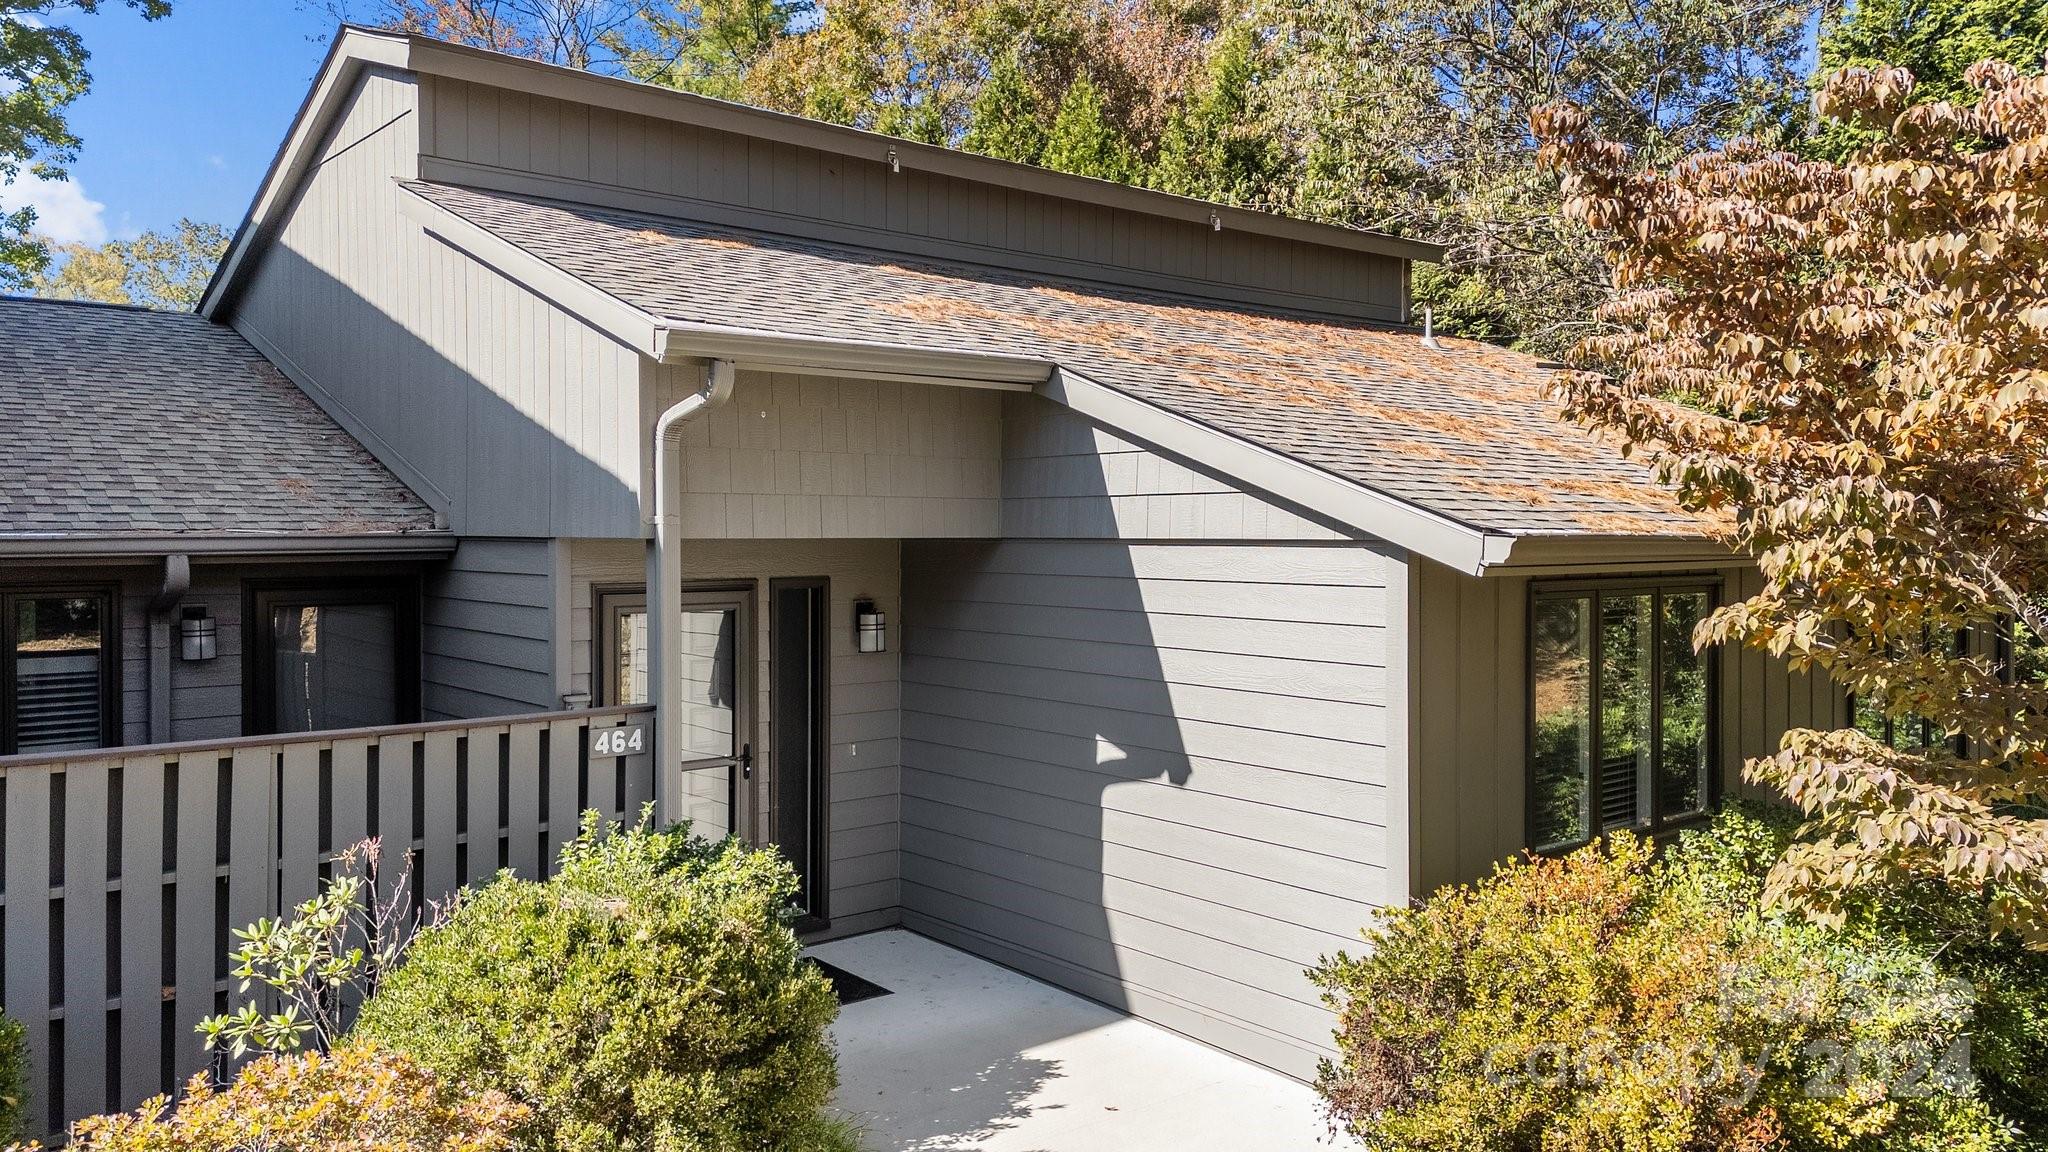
(746, 761)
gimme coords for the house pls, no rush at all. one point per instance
(1113, 585)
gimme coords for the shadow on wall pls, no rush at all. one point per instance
(1032, 690)
(486, 626)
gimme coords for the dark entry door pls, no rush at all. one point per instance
(797, 708)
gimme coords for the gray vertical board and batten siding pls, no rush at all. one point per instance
(1471, 714)
(510, 415)
(495, 138)
(488, 644)
(1169, 776)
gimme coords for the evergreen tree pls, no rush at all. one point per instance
(1005, 122)
(1215, 147)
(1936, 40)
(1084, 141)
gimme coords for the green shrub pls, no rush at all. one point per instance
(1606, 1001)
(348, 1100)
(13, 1079)
(649, 997)
(2008, 1030)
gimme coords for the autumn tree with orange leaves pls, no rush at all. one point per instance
(1849, 364)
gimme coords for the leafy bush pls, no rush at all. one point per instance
(355, 1097)
(649, 996)
(13, 1078)
(1606, 1001)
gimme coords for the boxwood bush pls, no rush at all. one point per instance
(650, 996)
(1610, 1000)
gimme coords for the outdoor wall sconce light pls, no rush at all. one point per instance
(196, 637)
(870, 627)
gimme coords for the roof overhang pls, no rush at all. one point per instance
(356, 48)
(222, 546)
(1331, 497)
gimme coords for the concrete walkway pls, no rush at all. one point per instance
(967, 1054)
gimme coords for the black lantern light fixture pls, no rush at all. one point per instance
(196, 637)
(870, 627)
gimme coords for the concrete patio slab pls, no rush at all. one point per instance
(965, 1054)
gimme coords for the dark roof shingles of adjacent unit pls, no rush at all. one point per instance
(123, 422)
(1467, 432)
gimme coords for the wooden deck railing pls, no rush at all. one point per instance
(123, 870)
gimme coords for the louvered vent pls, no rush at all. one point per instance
(57, 702)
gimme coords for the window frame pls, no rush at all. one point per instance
(1593, 590)
(608, 601)
(109, 596)
(258, 673)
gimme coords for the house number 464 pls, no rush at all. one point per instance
(628, 741)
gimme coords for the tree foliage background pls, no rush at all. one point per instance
(42, 71)
(1862, 354)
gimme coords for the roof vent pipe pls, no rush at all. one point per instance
(1429, 339)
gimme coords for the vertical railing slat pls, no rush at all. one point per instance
(394, 802)
(483, 804)
(440, 877)
(196, 955)
(28, 923)
(351, 793)
(565, 782)
(298, 840)
(85, 938)
(143, 978)
(252, 852)
(522, 824)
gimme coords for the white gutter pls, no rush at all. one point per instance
(667, 578)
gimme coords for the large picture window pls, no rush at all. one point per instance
(56, 670)
(1621, 710)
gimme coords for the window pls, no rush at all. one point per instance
(622, 649)
(327, 658)
(1911, 730)
(57, 670)
(1621, 710)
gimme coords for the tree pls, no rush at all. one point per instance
(1411, 116)
(1084, 141)
(590, 34)
(1846, 366)
(1935, 40)
(165, 271)
(42, 70)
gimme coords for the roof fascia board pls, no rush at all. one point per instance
(775, 350)
(202, 544)
(353, 50)
(476, 66)
(1398, 522)
(1555, 554)
(630, 326)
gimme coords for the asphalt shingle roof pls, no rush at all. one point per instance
(117, 421)
(1466, 432)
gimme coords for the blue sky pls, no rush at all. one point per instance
(183, 116)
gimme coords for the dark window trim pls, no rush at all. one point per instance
(606, 600)
(112, 721)
(819, 915)
(258, 596)
(1594, 589)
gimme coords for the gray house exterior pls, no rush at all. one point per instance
(1207, 587)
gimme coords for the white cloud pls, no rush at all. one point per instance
(63, 211)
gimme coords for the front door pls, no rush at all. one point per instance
(717, 630)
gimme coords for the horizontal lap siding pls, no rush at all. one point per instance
(487, 631)
(1158, 774)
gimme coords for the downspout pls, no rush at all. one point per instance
(666, 584)
(177, 582)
